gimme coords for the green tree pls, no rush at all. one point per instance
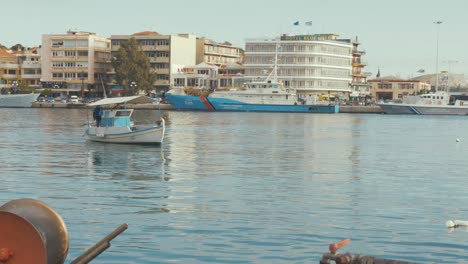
(17, 47)
(132, 65)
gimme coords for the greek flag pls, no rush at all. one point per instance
(421, 71)
(308, 23)
(296, 23)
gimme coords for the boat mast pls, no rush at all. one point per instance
(273, 76)
(437, 56)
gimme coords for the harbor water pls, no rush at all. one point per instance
(248, 187)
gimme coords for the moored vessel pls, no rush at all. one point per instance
(18, 100)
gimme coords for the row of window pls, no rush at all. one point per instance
(157, 54)
(296, 47)
(69, 64)
(160, 65)
(285, 59)
(400, 85)
(70, 53)
(143, 42)
(70, 75)
(70, 43)
(302, 72)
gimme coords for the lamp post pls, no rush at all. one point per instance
(133, 85)
(15, 84)
(82, 84)
(437, 56)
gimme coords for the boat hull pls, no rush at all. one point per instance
(397, 109)
(127, 135)
(17, 100)
(189, 102)
(221, 104)
(441, 110)
(423, 109)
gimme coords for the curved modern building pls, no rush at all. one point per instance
(310, 64)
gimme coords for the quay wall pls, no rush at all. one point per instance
(343, 109)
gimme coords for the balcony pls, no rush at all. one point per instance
(8, 65)
(9, 76)
(158, 48)
(31, 76)
(31, 65)
(159, 59)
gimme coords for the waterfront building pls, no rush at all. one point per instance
(211, 52)
(75, 62)
(360, 88)
(8, 68)
(392, 88)
(29, 62)
(166, 53)
(20, 67)
(310, 64)
(209, 76)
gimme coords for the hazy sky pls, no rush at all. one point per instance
(399, 36)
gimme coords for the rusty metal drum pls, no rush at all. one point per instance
(32, 232)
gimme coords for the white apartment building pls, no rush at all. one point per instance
(311, 64)
(75, 62)
(166, 53)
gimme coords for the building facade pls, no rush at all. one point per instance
(8, 68)
(393, 89)
(209, 76)
(360, 88)
(217, 54)
(75, 62)
(20, 67)
(310, 64)
(166, 53)
(29, 62)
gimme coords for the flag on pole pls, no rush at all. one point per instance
(421, 71)
(296, 23)
(378, 73)
(308, 23)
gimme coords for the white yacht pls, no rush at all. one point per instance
(18, 100)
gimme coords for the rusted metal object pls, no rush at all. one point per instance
(349, 258)
(99, 247)
(32, 232)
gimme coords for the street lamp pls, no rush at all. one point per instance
(437, 56)
(82, 84)
(15, 84)
(133, 85)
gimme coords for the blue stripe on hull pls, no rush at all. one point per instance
(220, 104)
(186, 102)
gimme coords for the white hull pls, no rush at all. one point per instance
(427, 104)
(127, 135)
(17, 100)
(393, 108)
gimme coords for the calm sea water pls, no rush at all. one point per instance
(248, 187)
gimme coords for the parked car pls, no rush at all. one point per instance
(41, 99)
(74, 99)
(50, 100)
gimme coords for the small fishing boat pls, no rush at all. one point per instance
(117, 125)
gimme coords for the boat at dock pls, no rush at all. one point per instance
(18, 100)
(438, 103)
(267, 96)
(189, 99)
(117, 126)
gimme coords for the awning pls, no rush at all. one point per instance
(137, 99)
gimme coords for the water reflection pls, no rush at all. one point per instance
(131, 161)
